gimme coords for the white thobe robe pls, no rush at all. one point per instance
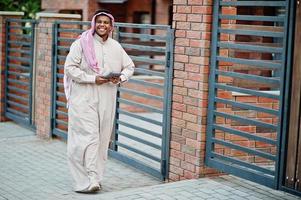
(92, 108)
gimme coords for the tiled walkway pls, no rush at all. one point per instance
(31, 168)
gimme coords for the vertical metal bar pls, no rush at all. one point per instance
(116, 126)
(167, 102)
(117, 35)
(31, 71)
(54, 74)
(34, 74)
(286, 96)
(282, 94)
(7, 24)
(212, 79)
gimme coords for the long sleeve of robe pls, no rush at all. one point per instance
(92, 109)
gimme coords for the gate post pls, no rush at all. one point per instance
(43, 71)
(4, 15)
(192, 23)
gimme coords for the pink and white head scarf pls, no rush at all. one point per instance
(86, 42)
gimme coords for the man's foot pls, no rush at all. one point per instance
(94, 187)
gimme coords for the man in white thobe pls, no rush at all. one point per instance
(91, 99)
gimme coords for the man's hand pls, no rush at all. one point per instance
(115, 80)
(99, 80)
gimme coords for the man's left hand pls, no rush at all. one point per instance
(115, 80)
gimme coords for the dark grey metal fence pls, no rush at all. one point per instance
(247, 76)
(141, 134)
(19, 69)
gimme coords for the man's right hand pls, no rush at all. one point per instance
(99, 80)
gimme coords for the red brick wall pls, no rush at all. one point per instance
(162, 11)
(192, 20)
(3, 18)
(59, 4)
(122, 12)
(88, 7)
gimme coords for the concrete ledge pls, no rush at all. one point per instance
(58, 15)
(11, 13)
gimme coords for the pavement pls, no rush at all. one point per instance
(35, 169)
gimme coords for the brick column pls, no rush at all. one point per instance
(4, 15)
(192, 21)
(43, 70)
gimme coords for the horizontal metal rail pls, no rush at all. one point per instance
(13, 103)
(246, 91)
(142, 26)
(60, 66)
(60, 103)
(61, 57)
(250, 47)
(16, 112)
(63, 48)
(59, 132)
(18, 82)
(138, 151)
(149, 72)
(60, 94)
(247, 106)
(21, 59)
(243, 163)
(17, 89)
(10, 50)
(70, 30)
(251, 32)
(253, 18)
(83, 23)
(140, 105)
(61, 122)
(15, 96)
(142, 47)
(261, 79)
(140, 94)
(244, 134)
(60, 85)
(20, 27)
(62, 113)
(59, 75)
(63, 39)
(148, 60)
(244, 149)
(254, 3)
(28, 44)
(19, 74)
(268, 64)
(152, 121)
(246, 120)
(142, 36)
(143, 130)
(21, 20)
(146, 84)
(137, 139)
(15, 66)
(19, 35)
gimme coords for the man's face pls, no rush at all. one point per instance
(103, 26)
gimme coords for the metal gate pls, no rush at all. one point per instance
(247, 76)
(19, 69)
(142, 123)
(292, 155)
